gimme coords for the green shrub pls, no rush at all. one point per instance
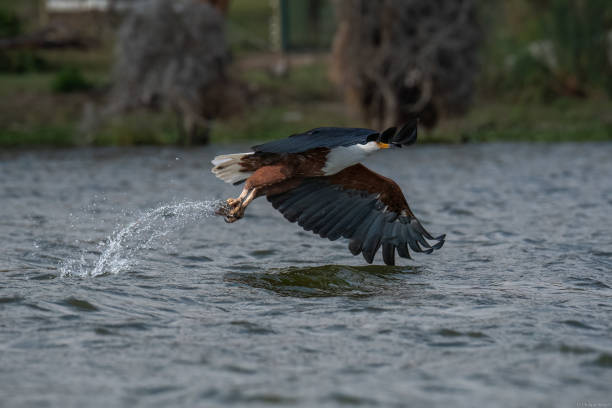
(21, 62)
(532, 77)
(578, 30)
(547, 48)
(15, 61)
(70, 80)
(38, 135)
(10, 24)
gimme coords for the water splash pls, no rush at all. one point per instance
(120, 249)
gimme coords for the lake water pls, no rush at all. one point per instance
(106, 299)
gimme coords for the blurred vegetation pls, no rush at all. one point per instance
(522, 94)
(22, 62)
(10, 23)
(538, 50)
(70, 79)
(249, 25)
(578, 32)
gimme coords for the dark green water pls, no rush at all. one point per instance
(108, 300)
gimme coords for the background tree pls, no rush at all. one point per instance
(174, 54)
(397, 58)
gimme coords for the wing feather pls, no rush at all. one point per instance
(372, 240)
(402, 250)
(388, 252)
(320, 137)
(333, 213)
(329, 137)
(362, 206)
(360, 235)
(349, 221)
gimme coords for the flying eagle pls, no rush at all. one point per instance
(315, 179)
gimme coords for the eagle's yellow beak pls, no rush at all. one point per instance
(383, 145)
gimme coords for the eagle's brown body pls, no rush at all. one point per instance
(270, 169)
(326, 190)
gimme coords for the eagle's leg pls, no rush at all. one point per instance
(237, 211)
(234, 202)
(259, 183)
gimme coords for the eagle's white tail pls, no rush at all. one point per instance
(228, 168)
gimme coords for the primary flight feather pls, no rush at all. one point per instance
(315, 179)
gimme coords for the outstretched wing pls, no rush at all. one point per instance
(329, 137)
(320, 137)
(360, 205)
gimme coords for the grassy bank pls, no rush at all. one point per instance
(505, 120)
(32, 113)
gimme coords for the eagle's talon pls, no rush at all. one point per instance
(230, 205)
(233, 217)
(222, 210)
(232, 202)
(235, 214)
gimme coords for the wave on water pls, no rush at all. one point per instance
(120, 249)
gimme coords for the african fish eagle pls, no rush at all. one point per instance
(315, 179)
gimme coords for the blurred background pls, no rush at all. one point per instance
(190, 72)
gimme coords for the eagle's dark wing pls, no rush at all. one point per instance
(360, 205)
(329, 137)
(320, 137)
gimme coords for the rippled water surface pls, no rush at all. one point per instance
(119, 288)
